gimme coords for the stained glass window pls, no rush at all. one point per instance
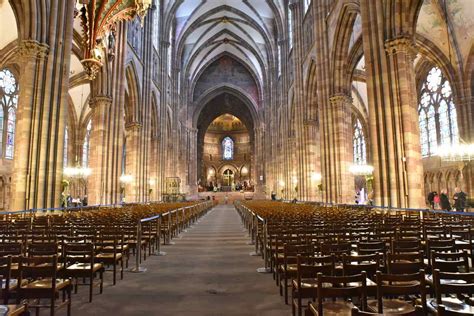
(306, 5)
(86, 145)
(227, 148)
(437, 113)
(8, 106)
(170, 51)
(156, 24)
(279, 60)
(66, 139)
(359, 144)
(290, 28)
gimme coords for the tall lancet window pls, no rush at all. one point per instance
(360, 147)
(437, 113)
(86, 145)
(227, 148)
(290, 28)
(8, 106)
(156, 24)
(306, 5)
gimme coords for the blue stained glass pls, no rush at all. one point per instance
(437, 110)
(8, 106)
(227, 148)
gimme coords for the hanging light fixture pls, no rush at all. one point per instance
(98, 20)
(361, 169)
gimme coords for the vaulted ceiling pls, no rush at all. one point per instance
(246, 30)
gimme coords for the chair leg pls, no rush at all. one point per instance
(69, 301)
(101, 281)
(91, 288)
(115, 272)
(121, 268)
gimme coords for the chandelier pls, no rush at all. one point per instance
(77, 172)
(361, 170)
(98, 21)
(456, 152)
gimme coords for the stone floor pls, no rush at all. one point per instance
(208, 271)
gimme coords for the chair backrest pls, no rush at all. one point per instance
(42, 249)
(309, 267)
(338, 249)
(342, 286)
(371, 247)
(406, 245)
(450, 261)
(78, 253)
(38, 267)
(352, 265)
(440, 245)
(459, 283)
(11, 248)
(404, 263)
(400, 284)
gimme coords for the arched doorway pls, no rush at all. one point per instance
(228, 178)
(226, 140)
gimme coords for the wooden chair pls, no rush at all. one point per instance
(41, 274)
(404, 263)
(339, 287)
(7, 283)
(110, 249)
(79, 263)
(305, 284)
(390, 287)
(288, 269)
(417, 312)
(447, 284)
(352, 265)
(442, 311)
(450, 261)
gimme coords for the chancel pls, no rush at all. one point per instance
(236, 157)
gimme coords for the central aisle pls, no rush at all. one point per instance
(207, 272)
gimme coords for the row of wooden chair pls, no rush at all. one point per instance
(306, 243)
(44, 258)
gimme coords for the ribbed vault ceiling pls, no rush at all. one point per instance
(244, 29)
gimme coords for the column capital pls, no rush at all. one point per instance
(33, 49)
(310, 122)
(340, 98)
(100, 99)
(131, 126)
(401, 44)
(293, 4)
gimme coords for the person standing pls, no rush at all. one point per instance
(444, 201)
(460, 199)
(274, 196)
(431, 196)
(436, 200)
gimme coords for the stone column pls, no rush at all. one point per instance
(132, 190)
(101, 107)
(313, 157)
(340, 148)
(192, 162)
(393, 115)
(44, 82)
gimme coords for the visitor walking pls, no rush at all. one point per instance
(460, 199)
